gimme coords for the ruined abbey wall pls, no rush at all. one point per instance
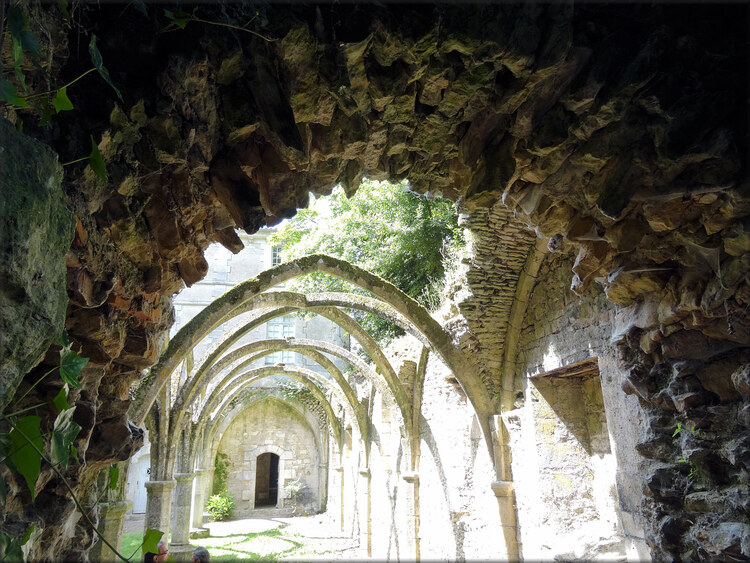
(271, 426)
(619, 129)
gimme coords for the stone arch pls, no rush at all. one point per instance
(222, 309)
(212, 430)
(310, 348)
(299, 374)
(336, 316)
(178, 412)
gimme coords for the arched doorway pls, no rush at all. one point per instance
(267, 479)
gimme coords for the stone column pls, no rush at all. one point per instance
(180, 543)
(340, 469)
(208, 484)
(503, 487)
(412, 502)
(368, 516)
(322, 487)
(159, 505)
(506, 502)
(111, 518)
(199, 498)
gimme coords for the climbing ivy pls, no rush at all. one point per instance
(221, 472)
(51, 102)
(23, 447)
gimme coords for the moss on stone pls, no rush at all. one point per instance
(36, 229)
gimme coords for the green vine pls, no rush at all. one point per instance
(22, 451)
(221, 473)
(51, 102)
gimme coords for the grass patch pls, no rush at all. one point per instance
(272, 545)
(131, 542)
(261, 546)
(130, 546)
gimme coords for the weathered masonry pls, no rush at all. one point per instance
(599, 155)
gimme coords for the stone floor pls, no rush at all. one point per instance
(318, 532)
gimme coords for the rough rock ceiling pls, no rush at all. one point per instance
(621, 128)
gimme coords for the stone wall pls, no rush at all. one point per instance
(572, 434)
(36, 229)
(271, 426)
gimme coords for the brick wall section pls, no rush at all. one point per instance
(498, 248)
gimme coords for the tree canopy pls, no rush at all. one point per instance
(403, 237)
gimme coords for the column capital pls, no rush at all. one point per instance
(114, 509)
(182, 477)
(365, 472)
(502, 488)
(410, 477)
(159, 486)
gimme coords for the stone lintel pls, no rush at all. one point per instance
(502, 488)
(160, 486)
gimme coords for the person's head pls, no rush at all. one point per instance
(201, 555)
(161, 557)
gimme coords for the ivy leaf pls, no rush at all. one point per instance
(9, 94)
(18, 61)
(63, 340)
(114, 473)
(179, 18)
(10, 548)
(63, 434)
(150, 540)
(61, 399)
(96, 59)
(63, 5)
(71, 365)
(46, 113)
(97, 162)
(27, 536)
(61, 101)
(25, 458)
(19, 30)
(141, 7)
(74, 453)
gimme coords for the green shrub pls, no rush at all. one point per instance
(220, 506)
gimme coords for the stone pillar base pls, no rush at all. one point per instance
(506, 500)
(181, 553)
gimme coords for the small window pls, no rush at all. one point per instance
(280, 327)
(275, 255)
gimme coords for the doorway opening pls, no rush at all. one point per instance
(267, 480)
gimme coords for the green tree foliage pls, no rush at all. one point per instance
(401, 236)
